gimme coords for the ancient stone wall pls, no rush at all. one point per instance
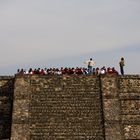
(129, 91)
(57, 107)
(111, 107)
(70, 107)
(121, 105)
(6, 97)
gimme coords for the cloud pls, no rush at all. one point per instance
(35, 31)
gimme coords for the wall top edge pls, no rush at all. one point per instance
(93, 76)
(6, 77)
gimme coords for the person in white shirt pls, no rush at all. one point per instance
(90, 63)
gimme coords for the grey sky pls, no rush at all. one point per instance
(47, 32)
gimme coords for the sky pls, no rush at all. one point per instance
(55, 33)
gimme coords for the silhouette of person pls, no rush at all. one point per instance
(121, 63)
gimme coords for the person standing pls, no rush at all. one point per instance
(90, 63)
(121, 63)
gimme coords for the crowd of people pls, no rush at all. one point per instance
(90, 70)
(68, 71)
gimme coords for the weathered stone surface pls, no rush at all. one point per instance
(20, 131)
(111, 109)
(6, 98)
(70, 107)
(58, 107)
(130, 107)
(131, 132)
(113, 131)
(109, 86)
(20, 121)
(121, 105)
(129, 84)
(130, 119)
(21, 111)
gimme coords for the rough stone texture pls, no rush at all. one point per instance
(70, 107)
(20, 121)
(6, 97)
(111, 107)
(121, 105)
(57, 107)
(129, 89)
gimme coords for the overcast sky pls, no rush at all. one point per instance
(55, 33)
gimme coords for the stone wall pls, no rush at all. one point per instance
(111, 107)
(6, 97)
(70, 107)
(57, 107)
(121, 105)
(129, 90)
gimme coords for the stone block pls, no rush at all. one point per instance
(131, 132)
(112, 109)
(21, 111)
(113, 131)
(20, 132)
(130, 107)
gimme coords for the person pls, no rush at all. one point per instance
(121, 63)
(114, 71)
(103, 70)
(90, 63)
(97, 71)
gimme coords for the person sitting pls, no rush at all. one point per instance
(30, 71)
(22, 72)
(94, 71)
(18, 71)
(42, 72)
(103, 70)
(114, 71)
(97, 71)
(38, 71)
(109, 70)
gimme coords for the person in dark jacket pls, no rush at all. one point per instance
(121, 63)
